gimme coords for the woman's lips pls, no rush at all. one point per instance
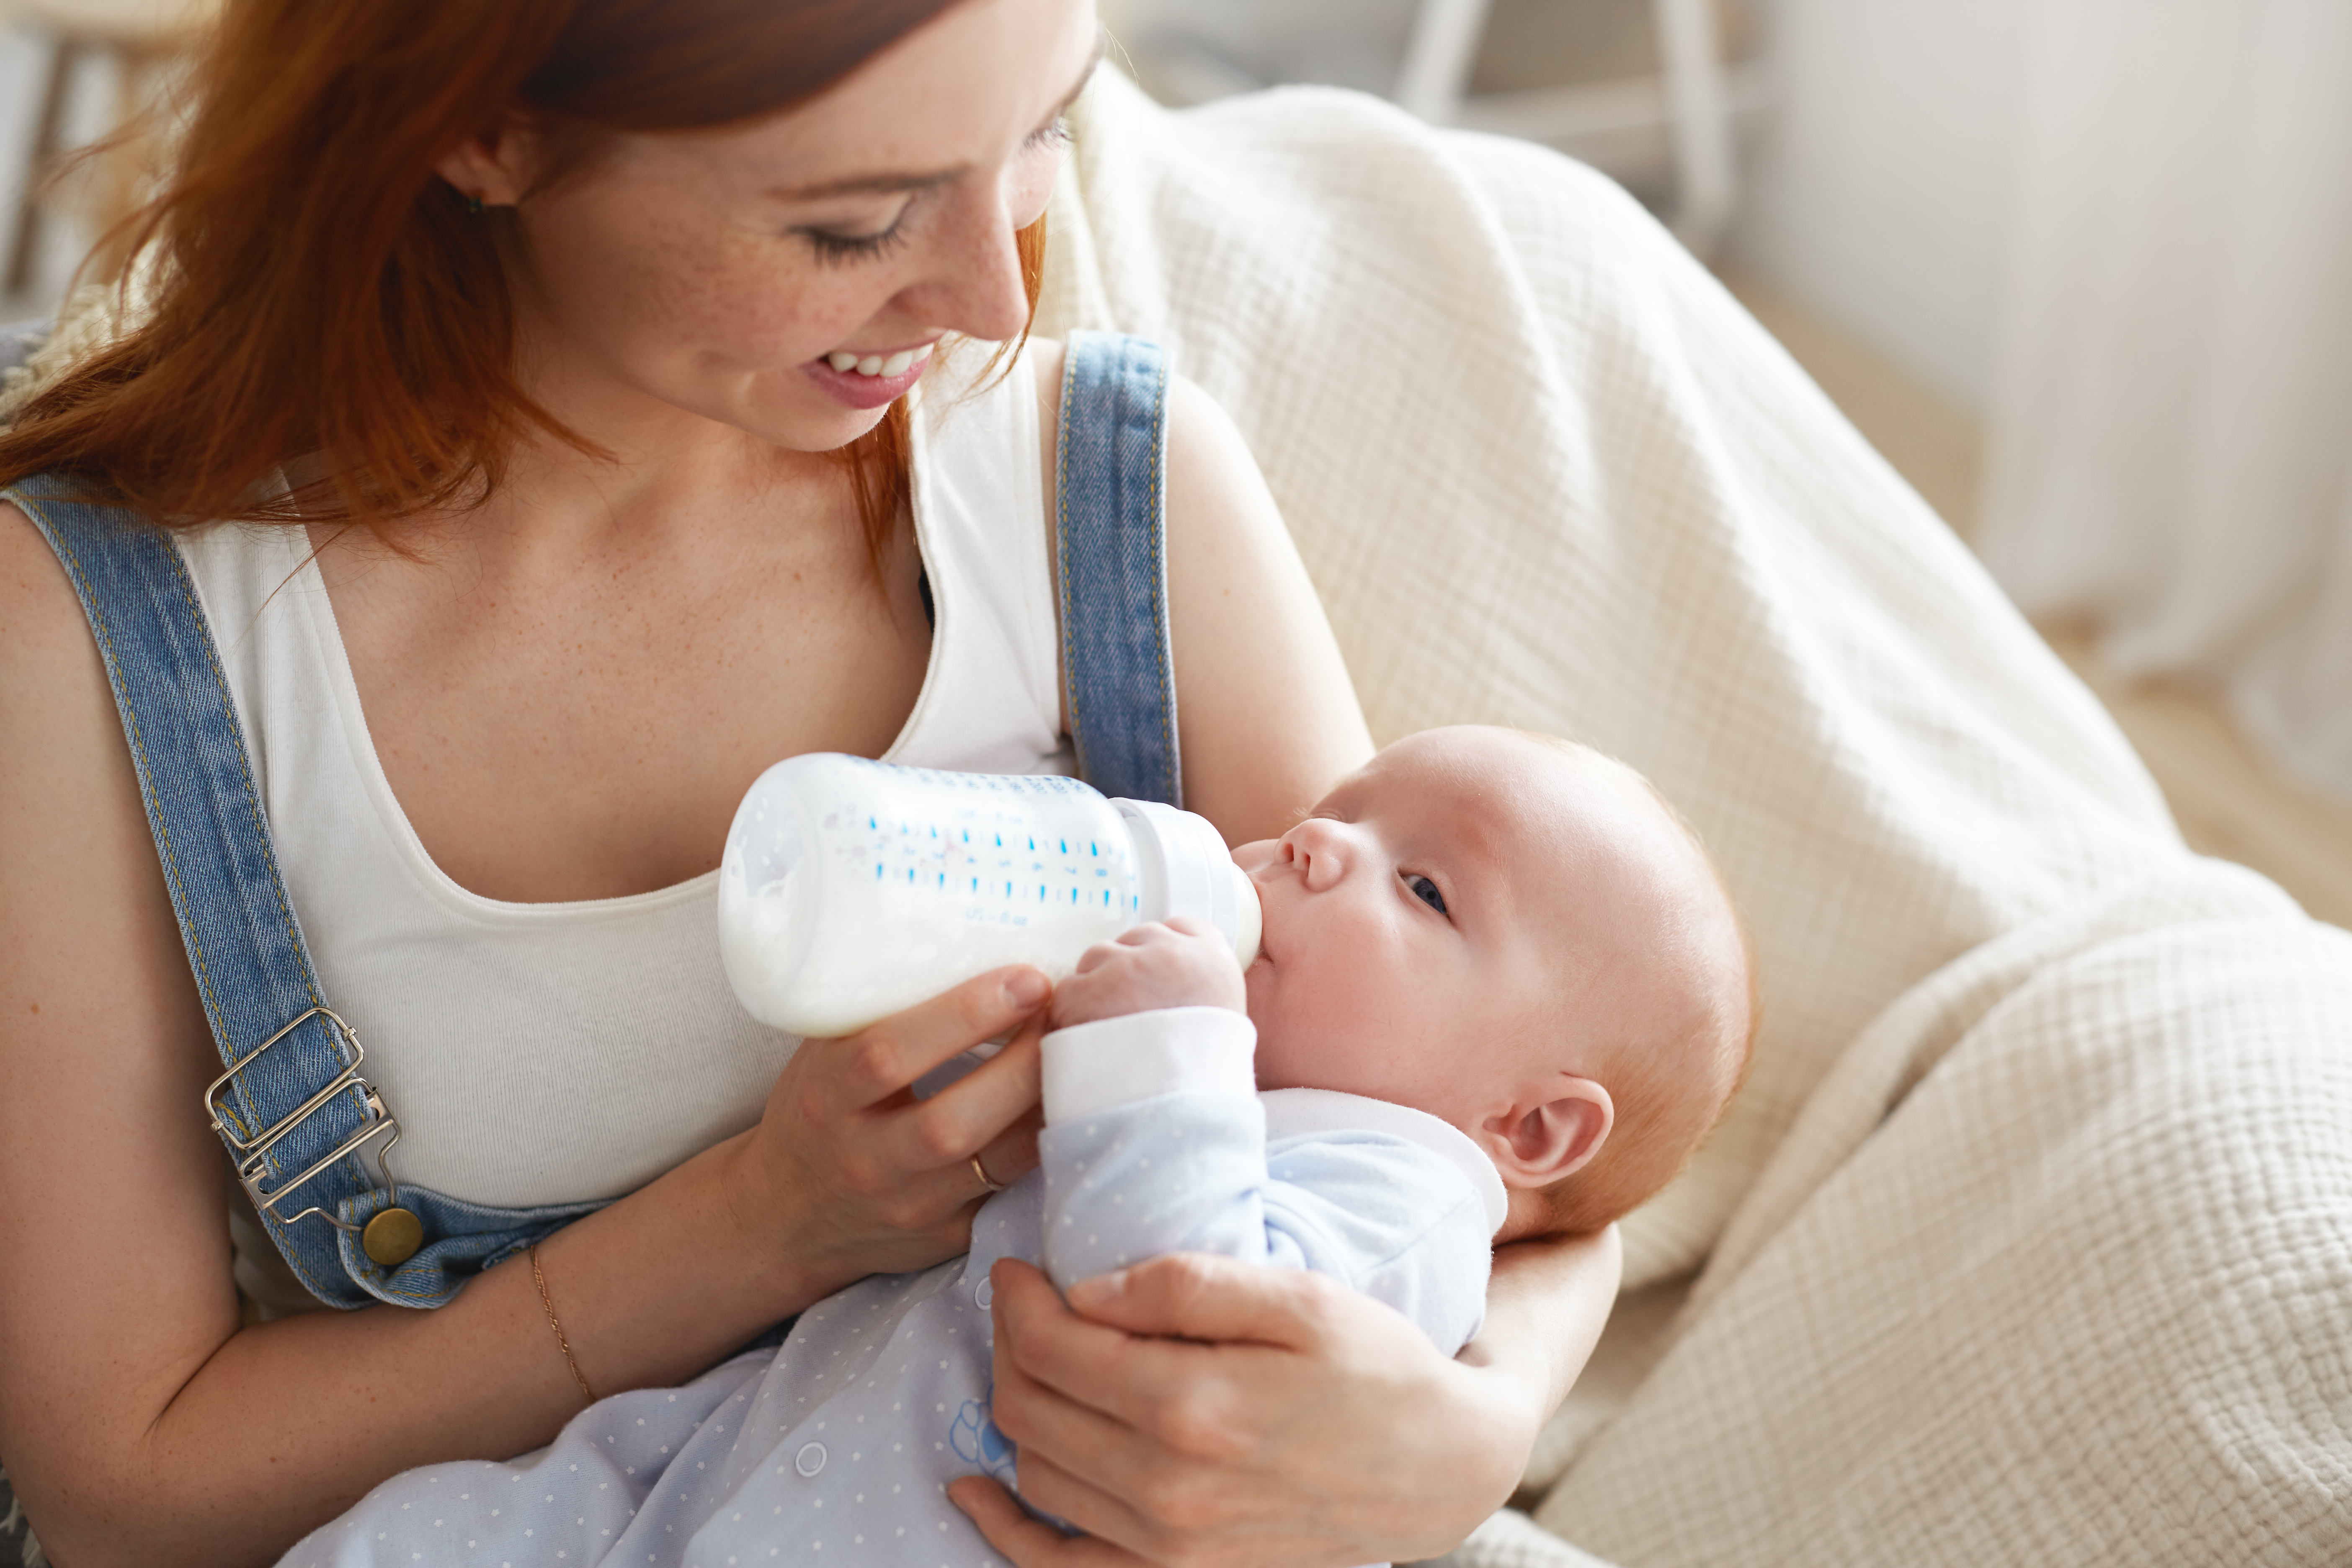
(854, 391)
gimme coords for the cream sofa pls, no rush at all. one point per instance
(2029, 1240)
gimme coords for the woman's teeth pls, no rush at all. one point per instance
(875, 365)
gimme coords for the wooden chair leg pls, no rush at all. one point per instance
(1699, 120)
(47, 131)
(1439, 57)
(125, 185)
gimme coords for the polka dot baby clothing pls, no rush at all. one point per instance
(840, 1443)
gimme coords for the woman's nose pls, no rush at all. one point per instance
(975, 284)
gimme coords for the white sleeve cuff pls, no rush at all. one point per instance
(1111, 1062)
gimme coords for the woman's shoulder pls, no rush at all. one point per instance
(1195, 419)
(49, 664)
(1202, 437)
(34, 591)
(1045, 358)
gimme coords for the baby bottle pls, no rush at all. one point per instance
(851, 889)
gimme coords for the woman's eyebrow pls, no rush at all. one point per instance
(872, 184)
(1086, 75)
(897, 184)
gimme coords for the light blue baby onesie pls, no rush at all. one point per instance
(839, 1444)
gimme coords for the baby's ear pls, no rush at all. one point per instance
(1551, 1132)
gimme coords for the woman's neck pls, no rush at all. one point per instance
(641, 468)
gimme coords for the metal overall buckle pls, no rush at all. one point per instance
(393, 1234)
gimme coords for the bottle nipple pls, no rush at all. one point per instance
(1249, 917)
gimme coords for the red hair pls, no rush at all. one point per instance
(322, 292)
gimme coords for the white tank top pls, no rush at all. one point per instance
(546, 1053)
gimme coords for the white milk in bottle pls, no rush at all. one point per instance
(852, 890)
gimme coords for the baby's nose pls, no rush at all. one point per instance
(1319, 849)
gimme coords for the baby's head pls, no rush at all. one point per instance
(1518, 936)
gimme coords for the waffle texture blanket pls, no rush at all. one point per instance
(2031, 1238)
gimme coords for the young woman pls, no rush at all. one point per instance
(558, 354)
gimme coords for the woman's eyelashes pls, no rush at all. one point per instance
(1421, 887)
(831, 248)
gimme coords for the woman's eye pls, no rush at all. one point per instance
(1425, 890)
(1052, 134)
(833, 247)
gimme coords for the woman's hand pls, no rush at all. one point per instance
(1317, 1426)
(849, 1175)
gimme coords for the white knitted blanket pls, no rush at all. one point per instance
(2031, 1238)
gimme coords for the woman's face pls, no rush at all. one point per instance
(733, 274)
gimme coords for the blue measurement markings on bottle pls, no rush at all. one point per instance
(990, 851)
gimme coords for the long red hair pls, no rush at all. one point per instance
(323, 293)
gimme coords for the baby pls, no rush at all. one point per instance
(1501, 994)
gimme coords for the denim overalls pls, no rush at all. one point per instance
(308, 1132)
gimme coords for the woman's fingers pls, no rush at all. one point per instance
(1131, 1529)
(881, 1060)
(1113, 1413)
(971, 1115)
(1132, 1347)
(1322, 1427)
(1199, 1295)
(1012, 1154)
(847, 1174)
(1044, 1422)
(1031, 1543)
(1028, 1401)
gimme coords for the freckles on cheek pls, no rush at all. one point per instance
(622, 280)
(733, 300)
(757, 303)
(717, 301)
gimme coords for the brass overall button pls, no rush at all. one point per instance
(392, 1238)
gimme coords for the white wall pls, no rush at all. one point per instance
(1880, 192)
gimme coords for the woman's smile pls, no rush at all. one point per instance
(870, 380)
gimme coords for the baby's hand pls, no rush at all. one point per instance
(1182, 964)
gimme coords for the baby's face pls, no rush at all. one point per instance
(1473, 911)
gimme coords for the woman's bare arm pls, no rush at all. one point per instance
(137, 1422)
(1318, 1428)
(1268, 719)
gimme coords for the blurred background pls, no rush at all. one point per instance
(2082, 270)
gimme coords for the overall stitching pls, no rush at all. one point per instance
(241, 1113)
(1111, 552)
(1068, 558)
(1164, 662)
(301, 961)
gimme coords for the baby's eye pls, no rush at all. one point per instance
(1427, 892)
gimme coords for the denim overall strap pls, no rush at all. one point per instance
(1118, 674)
(299, 1120)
